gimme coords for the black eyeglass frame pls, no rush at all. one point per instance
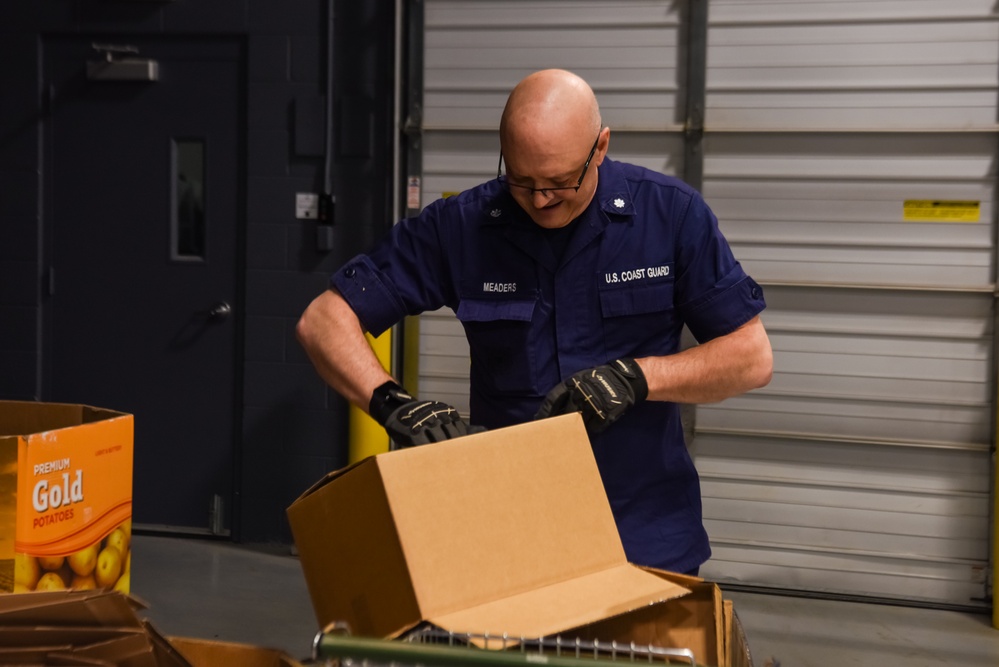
(545, 192)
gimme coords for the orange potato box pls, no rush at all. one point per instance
(65, 497)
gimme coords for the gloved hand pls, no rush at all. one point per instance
(410, 422)
(602, 394)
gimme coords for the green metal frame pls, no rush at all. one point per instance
(379, 651)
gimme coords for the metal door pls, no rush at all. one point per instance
(142, 202)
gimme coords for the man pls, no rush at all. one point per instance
(573, 276)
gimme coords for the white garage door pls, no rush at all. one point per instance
(850, 154)
(477, 50)
(864, 466)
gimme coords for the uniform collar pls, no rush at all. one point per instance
(613, 194)
(498, 206)
(611, 204)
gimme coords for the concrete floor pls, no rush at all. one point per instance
(217, 590)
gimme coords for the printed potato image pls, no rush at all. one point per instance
(27, 572)
(51, 581)
(84, 561)
(108, 567)
(51, 562)
(119, 540)
(126, 527)
(105, 564)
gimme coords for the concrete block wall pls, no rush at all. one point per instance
(294, 428)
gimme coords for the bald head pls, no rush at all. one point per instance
(547, 110)
(551, 137)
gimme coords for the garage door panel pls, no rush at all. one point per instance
(944, 315)
(867, 574)
(820, 36)
(786, 520)
(858, 156)
(455, 14)
(864, 466)
(475, 52)
(847, 386)
(832, 217)
(807, 223)
(974, 350)
(570, 54)
(889, 366)
(916, 498)
(823, 66)
(866, 419)
(859, 464)
(885, 266)
(778, 11)
(964, 492)
(453, 391)
(818, 109)
(654, 111)
(940, 546)
(960, 76)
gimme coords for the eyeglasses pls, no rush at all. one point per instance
(546, 192)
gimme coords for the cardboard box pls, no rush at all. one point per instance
(701, 621)
(70, 608)
(79, 627)
(65, 497)
(504, 531)
(205, 653)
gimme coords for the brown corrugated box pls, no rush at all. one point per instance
(701, 621)
(507, 531)
(80, 627)
(206, 653)
(103, 628)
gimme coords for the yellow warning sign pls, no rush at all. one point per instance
(940, 210)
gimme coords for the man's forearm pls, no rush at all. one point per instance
(718, 369)
(334, 340)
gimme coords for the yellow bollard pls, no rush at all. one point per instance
(367, 437)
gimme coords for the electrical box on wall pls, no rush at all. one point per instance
(306, 206)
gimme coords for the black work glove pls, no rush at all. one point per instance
(602, 394)
(410, 422)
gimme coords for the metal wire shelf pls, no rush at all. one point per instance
(431, 647)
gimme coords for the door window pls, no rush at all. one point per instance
(187, 234)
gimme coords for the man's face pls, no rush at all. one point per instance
(544, 183)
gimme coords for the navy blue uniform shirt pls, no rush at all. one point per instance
(645, 258)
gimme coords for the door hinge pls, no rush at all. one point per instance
(48, 95)
(216, 516)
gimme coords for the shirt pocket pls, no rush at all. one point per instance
(498, 332)
(639, 319)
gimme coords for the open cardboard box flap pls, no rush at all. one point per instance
(25, 418)
(558, 607)
(701, 621)
(211, 653)
(504, 531)
(72, 607)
